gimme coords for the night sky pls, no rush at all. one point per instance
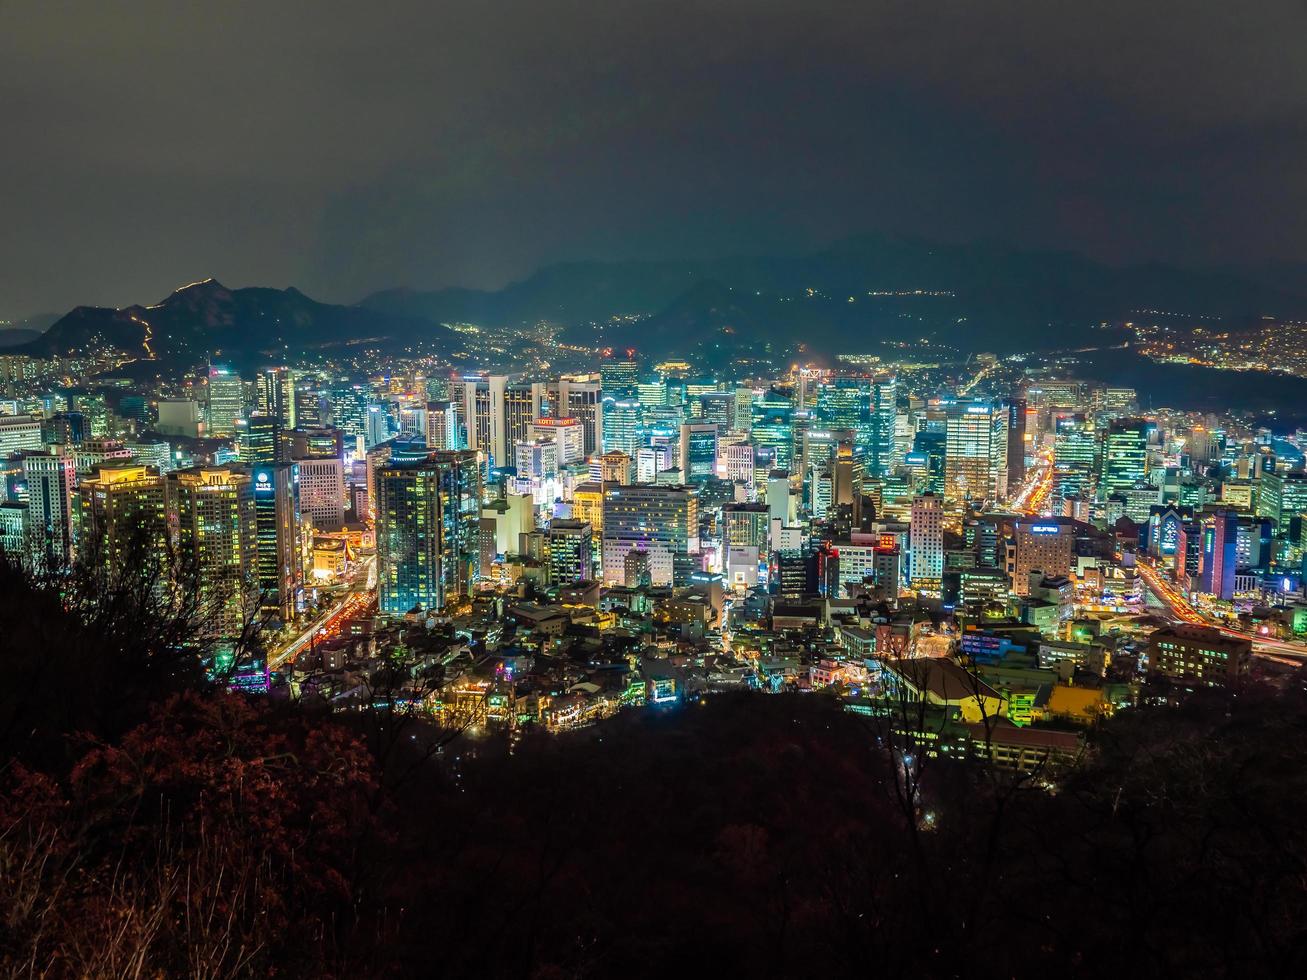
(345, 146)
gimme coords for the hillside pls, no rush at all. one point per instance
(849, 296)
(205, 319)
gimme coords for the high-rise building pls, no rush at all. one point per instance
(123, 515)
(214, 509)
(537, 459)
(568, 434)
(1016, 441)
(263, 441)
(975, 454)
(50, 479)
(571, 552)
(1075, 456)
(428, 531)
(926, 540)
(277, 395)
(279, 560)
(322, 491)
(14, 532)
(623, 427)
(772, 430)
(881, 455)
(699, 451)
(1220, 554)
(588, 505)
(620, 377)
(581, 399)
(522, 402)
(662, 521)
(1042, 545)
(1125, 457)
(224, 401)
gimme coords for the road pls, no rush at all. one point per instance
(1034, 494)
(1183, 610)
(350, 603)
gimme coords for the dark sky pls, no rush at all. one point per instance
(349, 146)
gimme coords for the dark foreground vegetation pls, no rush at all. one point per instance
(150, 826)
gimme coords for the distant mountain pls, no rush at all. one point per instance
(241, 326)
(13, 333)
(851, 295)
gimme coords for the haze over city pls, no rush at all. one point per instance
(629, 489)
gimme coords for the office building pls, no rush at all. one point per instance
(975, 453)
(50, 479)
(1042, 545)
(926, 541)
(662, 521)
(276, 395)
(428, 531)
(216, 543)
(698, 458)
(279, 559)
(571, 552)
(123, 515)
(224, 401)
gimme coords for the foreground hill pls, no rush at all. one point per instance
(206, 319)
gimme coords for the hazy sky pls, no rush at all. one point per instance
(349, 146)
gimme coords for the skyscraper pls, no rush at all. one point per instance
(224, 401)
(50, 479)
(1125, 457)
(428, 530)
(975, 453)
(277, 395)
(214, 509)
(699, 451)
(123, 514)
(279, 564)
(926, 540)
(620, 377)
(662, 521)
(571, 552)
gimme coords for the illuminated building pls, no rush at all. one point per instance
(571, 551)
(746, 525)
(926, 540)
(1194, 656)
(537, 460)
(50, 478)
(650, 461)
(522, 402)
(443, 431)
(1220, 553)
(322, 491)
(1075, 455)
(428, 531)
(699, 451)
(214, 510)
(123, 514)
(484, 413)
(1041, 545)
(975, 453)
(262, 441)
(588, 505)
(568, 434)
(1016, 441)
(619, 378)
(224, 401)
(881, 456)
(14, 531)
(622, 425)
(1125, 457)
(277, 395)
(279, 559)
(772, 429)
(582, 400)
(615, 467)
(660, 520)
(718, 407)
